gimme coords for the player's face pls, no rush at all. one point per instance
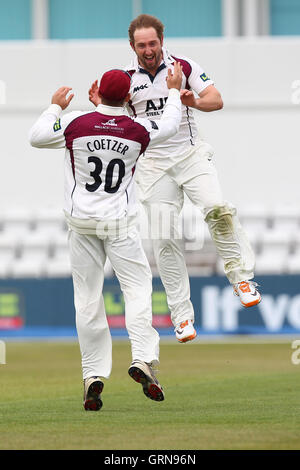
(148, 48)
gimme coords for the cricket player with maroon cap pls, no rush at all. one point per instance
(101, 151)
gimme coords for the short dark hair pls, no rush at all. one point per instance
(145, 21)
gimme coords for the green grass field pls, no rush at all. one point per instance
(218, 396)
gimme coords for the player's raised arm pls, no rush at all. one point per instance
(209, 99)
(60, 97)
(174, 79)
(169, 123)
(94, 93)
(48, 130)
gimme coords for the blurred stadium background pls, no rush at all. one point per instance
(250, 48)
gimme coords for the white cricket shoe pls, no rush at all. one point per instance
(93, 387)
(247, 292)
(185, 331)
(142, 373)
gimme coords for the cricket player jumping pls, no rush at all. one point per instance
(182, 164)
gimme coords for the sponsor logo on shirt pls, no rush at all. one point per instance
(111, 122)
(141, 87)
(111, 125)
(155, 108)
(57, 125)
(204, 77)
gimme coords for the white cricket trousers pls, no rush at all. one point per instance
(161, 184)
(88, 255)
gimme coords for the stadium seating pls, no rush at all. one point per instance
(275, 249)
(58, 264)
(293, 261)
(286, 218)
(33, 255)
(35, 244)
(8, 253)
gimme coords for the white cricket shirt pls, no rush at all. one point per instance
(102, 148)
(149, 96)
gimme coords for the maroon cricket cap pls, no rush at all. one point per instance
(115, 85)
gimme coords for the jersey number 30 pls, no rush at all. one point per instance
(108, 188)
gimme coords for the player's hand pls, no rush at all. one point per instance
(60, 97)
(93, 94)
(188, 98)
(174, 79)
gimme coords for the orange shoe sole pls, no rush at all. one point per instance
(251, 304)
(188, 338)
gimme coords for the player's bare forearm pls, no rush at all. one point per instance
(209, 100)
